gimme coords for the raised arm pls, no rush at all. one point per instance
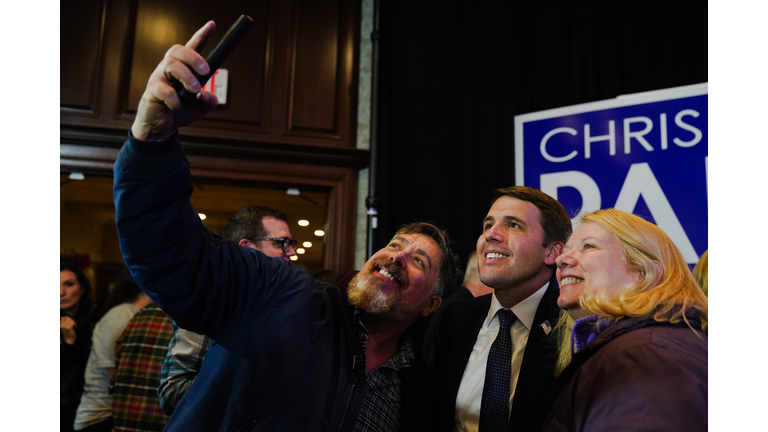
(201, 280)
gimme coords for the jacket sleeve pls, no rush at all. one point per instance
(205, 283)
(186, 353)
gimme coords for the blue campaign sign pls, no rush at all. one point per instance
(645, 154)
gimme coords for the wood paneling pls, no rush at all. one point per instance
(291, 80)
(82, 29)
(314, 67)
(159, 26)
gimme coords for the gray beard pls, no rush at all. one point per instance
(365, 293)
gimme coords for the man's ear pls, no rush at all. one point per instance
(434, 303)
(555, 249)
(247, 243)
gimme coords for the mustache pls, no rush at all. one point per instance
(398, 274)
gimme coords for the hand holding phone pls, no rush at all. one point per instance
(217, 56)
(166, 105)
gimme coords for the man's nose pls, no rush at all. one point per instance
(493, 234)
(399, 258)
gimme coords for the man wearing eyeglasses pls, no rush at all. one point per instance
(257, 227)
(264, 229)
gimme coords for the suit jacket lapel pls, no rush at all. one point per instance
(465, 320)
(536, 384)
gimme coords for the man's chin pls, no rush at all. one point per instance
(366, 293)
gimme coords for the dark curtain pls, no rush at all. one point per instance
(454, 74)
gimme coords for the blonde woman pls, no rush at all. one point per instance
(638, 354)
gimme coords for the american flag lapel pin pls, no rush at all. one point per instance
(547, 328)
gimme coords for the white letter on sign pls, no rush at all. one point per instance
(590, 193)
(611, 137)
(686, 126)
(637, 134)
(546, 138)
(641, 181)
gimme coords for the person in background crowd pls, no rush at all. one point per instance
(140, 353)
(638, 353)
(257, 227)
(700, 272)
(94, 413)
(77, 318)
(186, 352)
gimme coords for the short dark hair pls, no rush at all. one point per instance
(246, 223)
(449, 274)
(554, 220)
(126, 290)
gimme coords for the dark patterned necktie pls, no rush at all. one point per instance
(494, 407)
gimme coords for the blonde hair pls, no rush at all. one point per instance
(563, 331)
(700, 272)
(668, 300)
(471, 270)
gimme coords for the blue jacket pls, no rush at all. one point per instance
(283, 352)
(284, 356)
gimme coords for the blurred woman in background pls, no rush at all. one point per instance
(77, 317)
(638, 355)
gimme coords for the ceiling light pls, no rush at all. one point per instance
(76, 176)
(303, 222)
(319, 233)
(202, 216)
(294, 257)
(300, 251)
(307, 244)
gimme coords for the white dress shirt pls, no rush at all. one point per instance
(471, 389)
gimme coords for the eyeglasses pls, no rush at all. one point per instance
(284, 241)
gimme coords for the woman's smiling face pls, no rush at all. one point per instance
(593, 258)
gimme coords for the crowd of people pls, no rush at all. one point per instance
(599, 328)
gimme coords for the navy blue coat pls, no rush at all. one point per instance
(284, 349)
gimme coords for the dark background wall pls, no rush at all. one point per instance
(455, 73)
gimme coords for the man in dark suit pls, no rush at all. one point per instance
(523, 233)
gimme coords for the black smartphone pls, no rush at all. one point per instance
(217, 56)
